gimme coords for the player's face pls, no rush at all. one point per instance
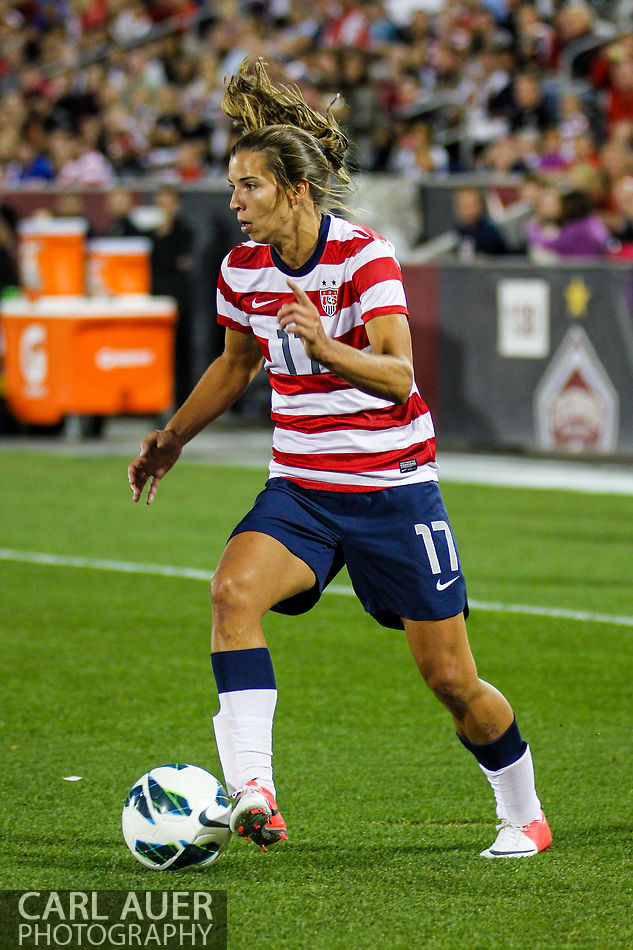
(261, 207)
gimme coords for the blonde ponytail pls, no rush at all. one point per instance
(301, 143)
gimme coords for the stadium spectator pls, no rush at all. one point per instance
(478, 234)
(80, 164)
(71, 204)
(382, 29)
(533, 38)
(552, 160)
(575, 38)
(123, 141)
(490, 71)
(119, 204)
(580, 233)
(616, 160)
(620, 220)
(362, 106)
(414, 154)
(574, 122)
(171, 260)
(347, 27)
(471, 70)
(584, 151)
(8, 248)
(545, 199)
(129, 21)
(525, 104)
(527, 143)
(619, 105)
(29, 166)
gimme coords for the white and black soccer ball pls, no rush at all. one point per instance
(176, 816)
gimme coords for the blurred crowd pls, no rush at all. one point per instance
(104, 92)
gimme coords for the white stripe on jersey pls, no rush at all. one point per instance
(339, 402)
(353, 440)
(382, 479)
(353, 277)
(373, 251)
(229, 310)
(382, 295)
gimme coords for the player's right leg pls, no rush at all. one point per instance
(255, 572)
(487, 727)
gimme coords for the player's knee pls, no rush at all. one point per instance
(229, 595)
(450, 686)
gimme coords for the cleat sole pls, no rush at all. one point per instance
(253, 823)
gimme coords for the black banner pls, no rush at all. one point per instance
(536, 358)
(82, 920)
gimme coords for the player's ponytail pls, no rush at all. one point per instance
(301, 143)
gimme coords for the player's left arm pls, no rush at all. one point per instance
(387, 371)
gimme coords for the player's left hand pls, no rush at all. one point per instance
(302, 317)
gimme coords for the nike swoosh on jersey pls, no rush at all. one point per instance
(262, 303)
(441, 586)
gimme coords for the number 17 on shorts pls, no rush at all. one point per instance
(441, 552)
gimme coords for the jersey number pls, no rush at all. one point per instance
(429, 544)
(285, 349)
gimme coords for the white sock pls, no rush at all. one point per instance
(244, 736)
(514, 790)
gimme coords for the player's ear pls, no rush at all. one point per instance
(299, 192)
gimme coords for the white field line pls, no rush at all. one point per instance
(192, 573)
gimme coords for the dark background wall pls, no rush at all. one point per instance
(480, 398)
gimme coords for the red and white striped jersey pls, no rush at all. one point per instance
(328, 434)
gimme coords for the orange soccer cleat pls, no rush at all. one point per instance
(255, 816)
(514, 841)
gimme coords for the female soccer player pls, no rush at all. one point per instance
(353, 478)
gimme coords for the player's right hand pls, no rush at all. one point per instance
(160, 450)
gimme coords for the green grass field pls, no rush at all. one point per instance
(106, 674)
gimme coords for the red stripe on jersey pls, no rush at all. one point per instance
(357, 462)
(337, 252)
(383, 311)
(227, 292)
(294, 385)
(356, 337)
(250, 256)
(227, 322)
(373, 272)
(263, 345)
(372, 419)
(244, 302)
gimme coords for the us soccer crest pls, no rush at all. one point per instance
(329, 300)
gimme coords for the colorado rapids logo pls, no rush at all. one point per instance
(329, 300)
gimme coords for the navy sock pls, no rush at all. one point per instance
(243, 669)
(501, 752)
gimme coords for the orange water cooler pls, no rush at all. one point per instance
(118, 265)
(88, 356)
(52, 256)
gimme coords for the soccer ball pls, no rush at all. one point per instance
(176, 816)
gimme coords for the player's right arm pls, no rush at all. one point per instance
(220, 386)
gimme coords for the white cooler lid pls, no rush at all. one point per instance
(119, 245)
(124, 305)
(42, 225)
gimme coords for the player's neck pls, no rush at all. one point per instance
(297, 240)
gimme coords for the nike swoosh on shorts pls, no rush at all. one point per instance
(441, 586)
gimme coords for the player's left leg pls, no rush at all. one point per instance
(487, 727)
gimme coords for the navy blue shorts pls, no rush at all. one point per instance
(396, 542)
